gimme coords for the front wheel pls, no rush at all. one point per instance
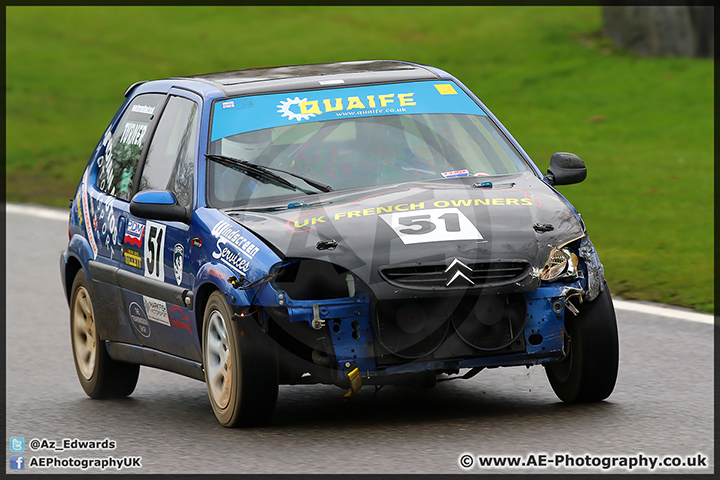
(241, 366)
(589, 370)
(99, 375)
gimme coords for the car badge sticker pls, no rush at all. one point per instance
(139, 321)
(456, 266)
(178, 260)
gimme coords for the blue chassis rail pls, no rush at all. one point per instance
(348, 320)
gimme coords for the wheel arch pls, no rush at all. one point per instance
(72, 267)
(76, 258)
(201, 300)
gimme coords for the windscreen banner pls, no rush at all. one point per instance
(245, 114)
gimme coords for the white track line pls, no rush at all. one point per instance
(664, 311)
(659, 310)
(41, 212)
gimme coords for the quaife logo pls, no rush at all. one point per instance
(303, 109)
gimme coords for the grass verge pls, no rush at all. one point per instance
(644, 126)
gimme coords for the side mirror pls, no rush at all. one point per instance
(566, 169)
(158, 205)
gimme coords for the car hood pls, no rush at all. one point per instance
(508, 218)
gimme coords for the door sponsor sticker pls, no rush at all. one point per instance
(156, 310)
(178, 261)
(133, 258)
(138, 319)
(88, 228)
(134, 233)
(179, 319)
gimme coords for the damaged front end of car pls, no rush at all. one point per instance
(454, 315)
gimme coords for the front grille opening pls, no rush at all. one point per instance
(490, 322)
(411, 329)
(434, 276)
(449, 327)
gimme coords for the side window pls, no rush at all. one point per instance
(171, 156)
(124, 147)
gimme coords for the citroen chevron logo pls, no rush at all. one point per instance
(457, 266)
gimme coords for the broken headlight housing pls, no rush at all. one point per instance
(562, 264)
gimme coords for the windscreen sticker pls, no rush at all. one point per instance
(456, 173)
(246, 114)
(443, 224)
(445, 89)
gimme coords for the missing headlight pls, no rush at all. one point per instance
(314, 279)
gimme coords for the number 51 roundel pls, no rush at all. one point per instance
(437, 225)
(154, 260)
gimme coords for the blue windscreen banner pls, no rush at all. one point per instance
(245, 114)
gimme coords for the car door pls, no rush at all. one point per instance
(157, 271)
(105, 191)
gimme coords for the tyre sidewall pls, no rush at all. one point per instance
(90, 386)
(593, 355)
(109, 378)
(228, 416)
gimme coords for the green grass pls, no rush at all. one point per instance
(644, 126)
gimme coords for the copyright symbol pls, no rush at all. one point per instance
(466, 461)
(34, 444)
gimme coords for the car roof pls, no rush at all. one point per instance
(313, 76)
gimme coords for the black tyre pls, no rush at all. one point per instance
(99, 375)
(241, 367)
(589, 370)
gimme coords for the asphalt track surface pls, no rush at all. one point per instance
(662, 406)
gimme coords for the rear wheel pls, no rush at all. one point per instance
(99, 375)
(241, 367)
(589, 370)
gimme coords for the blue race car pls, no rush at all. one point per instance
(357, 223)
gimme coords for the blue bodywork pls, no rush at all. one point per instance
(154, 315)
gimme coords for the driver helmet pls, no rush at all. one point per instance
(246, 146)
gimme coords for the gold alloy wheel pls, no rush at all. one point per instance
(218, 360)
(83, 332)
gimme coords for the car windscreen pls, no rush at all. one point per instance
(351, 138)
